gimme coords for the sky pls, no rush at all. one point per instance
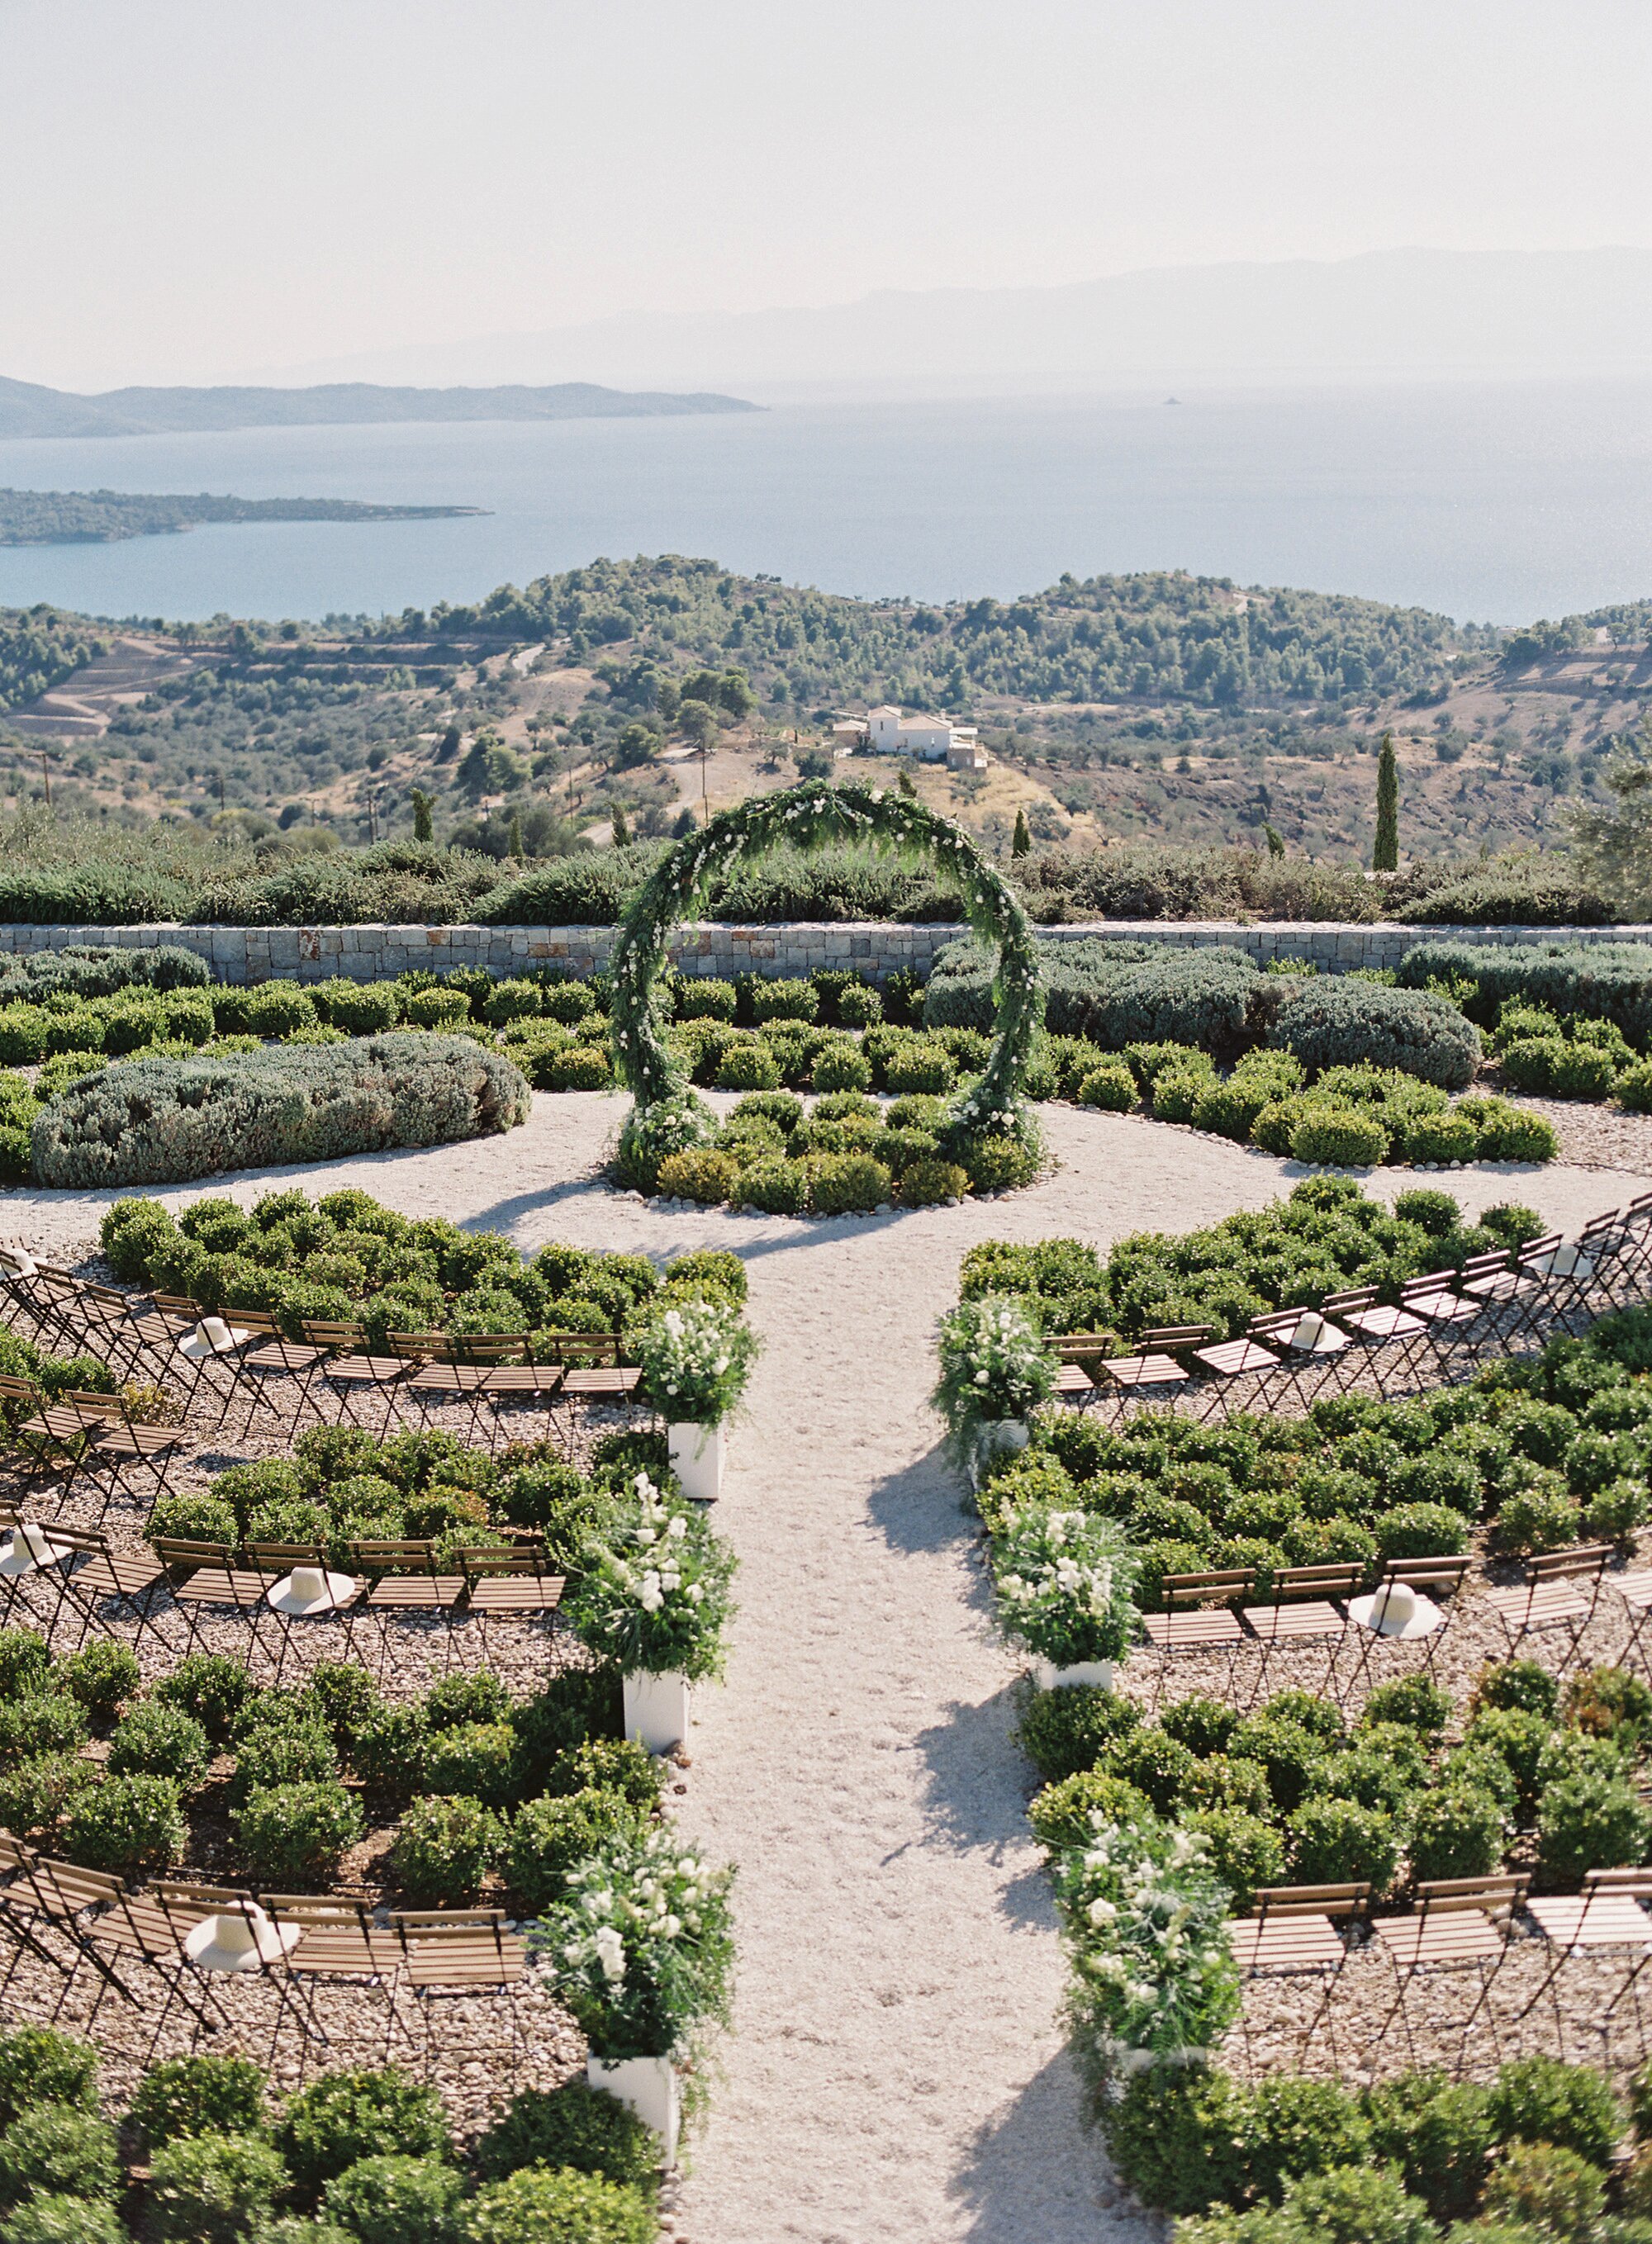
(196, 191)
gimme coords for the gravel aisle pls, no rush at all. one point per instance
(895, 2070)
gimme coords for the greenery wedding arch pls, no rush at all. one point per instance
(667, 1116)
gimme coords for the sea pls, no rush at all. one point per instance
(1494, 503)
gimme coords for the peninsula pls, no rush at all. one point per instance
(32, 517)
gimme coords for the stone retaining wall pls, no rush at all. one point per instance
(877, 947)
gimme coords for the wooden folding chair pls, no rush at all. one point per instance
(452, 1954)
(1079, 1376)
(271, 1563)
(592, 1372)
(121, 1440)
(1309, 1345)
(1607, 1916)
(1157, 1370)
(20, 1917)
(62, 1426)
(109, 1925)
(439, 1373)
(205, 1574)
(1607, 1244)
(512, 1582)
(349, 1368)
(1302, 1611)
(1437, 1580)
(1552, 1596)
(99, 1319)
(1458, 1924)
(1292, 1934)
(185, 1904)
(1380, 1336)
(1198, 1617)
(401, 1578)
(340, 1944)
(1634, 1588)
(1439, 1316)
(1632, 1270)
(274, 1359)
(1228, 1361)
(105, 1575)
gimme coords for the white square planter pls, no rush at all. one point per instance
(656, 1709)
(697, 1459)
(650, 2086)
(1049, 1677)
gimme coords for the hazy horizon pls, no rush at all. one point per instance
(221, 196)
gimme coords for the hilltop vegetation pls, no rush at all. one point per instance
(1158, 707)
(32, 518)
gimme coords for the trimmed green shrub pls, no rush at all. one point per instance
(747, 1067)
(1411, 1700)
(702, 997)
(212, 2189)
(1456, 1832)
(443, 1849)
(1175, 2137)
(294, 1835)
(1060, 1814)
(198, 2096)
(1334, 1841)
(701, 1173)
(841, 1066)
(1541, 2099)
(51, 2218)
(549, 1836)
(1544, 2190)
(164, 1121)
(39, 2064)
(343, 2117)
(1590, 1821)
(931, 1184)
(209, 1685)
(844, 1184)
(580, 1067)
(36, 1793)
(60, 2148)
(102, 1675)
(1540, 1518)
(1110, 1087)
(25, 1664)
(784, 1000)
(472, 1757)
(1245, 1852)
(157, 1739)
(1334, 1021)
(396, 2200)
(572, 2126)
(538, 2205)
(1064, 1730)
(1298, 2126)
(1440, 2134)
(1339, 1137)
(922, 1067)
(774, 1186)
(1516, 1685)
(127, 1824)
(33, 1726)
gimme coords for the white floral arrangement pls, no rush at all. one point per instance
(1146, 1919)
(653, 1589)
(696, 1357)
(994, 1364)
(640, 1944)
(1064, 1580)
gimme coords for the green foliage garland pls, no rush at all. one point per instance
(667, 1116)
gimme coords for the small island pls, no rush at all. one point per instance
(30, 517)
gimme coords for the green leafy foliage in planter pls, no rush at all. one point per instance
(653, 1594)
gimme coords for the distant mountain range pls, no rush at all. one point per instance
(28, 410)
(1418, 313)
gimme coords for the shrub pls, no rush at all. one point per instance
(775, 1186)
(38, 2064)
(443, 1850)
(704, 999)
(1539, 2187)
(1589, 1821)
(1339, 1137)
(1334, 1841)
(1541, 2099)
(60, 2148)
(843, 1184)
(198, 2096)
(212, 2189)
(1412, 1701)
(209, 1685)
(998, 1164)
(1060, 1815)
(749, 1067)
(1440, 2134)
(572, 2126)
(396, 2200)
(33, 1726)
(539, 2205)
(164, 1121)
(701, 1174)
(157, 1739)
(582, 1067)
(1289, 1754)
(1334, 1021)
(1456, 1832)
(1111, 1087)
(35, 1793)
(127, 1824)
(1298, 2126)
(1441, 1138)
(1245, 1852)
(841, 1067)
(294, 1835)
(344, 2116)
(102, 1675)
(931, 1183)
(784, 1000)
(51, 2218)
(1542, 1518)
(923, 1067)
(549, 1836)
(25, 1663)
(475, 1758)
(362, 1009)
(1064, 1731)
(1420, 1530)
(1516, 1685)
(1173, 2137)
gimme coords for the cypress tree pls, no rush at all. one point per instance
(1021, 841)
(424, 825)
(1385, 853)
(622, 831)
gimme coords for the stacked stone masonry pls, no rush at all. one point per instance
(877, 947)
